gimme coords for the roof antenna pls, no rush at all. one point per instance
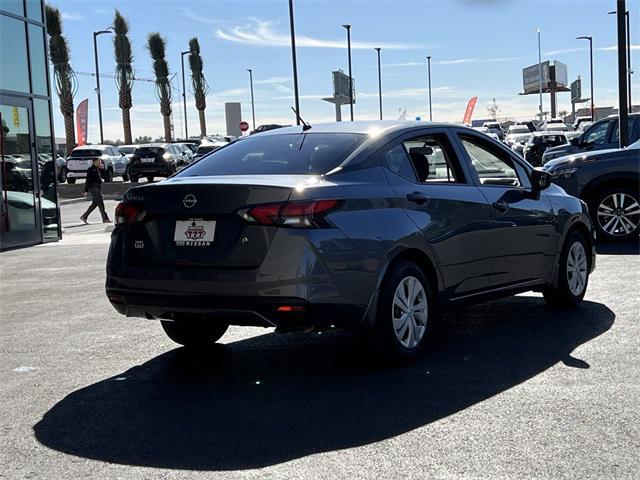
(305, 125)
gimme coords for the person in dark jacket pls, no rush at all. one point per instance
(93, 186)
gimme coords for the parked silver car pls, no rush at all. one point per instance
(114, 163)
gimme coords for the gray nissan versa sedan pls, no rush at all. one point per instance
(369, 225)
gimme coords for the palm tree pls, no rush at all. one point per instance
(156, 46)
(198, 82)
(65, 83)
(124, 71)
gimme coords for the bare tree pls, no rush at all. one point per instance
(493, 109)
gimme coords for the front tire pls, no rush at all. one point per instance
(573, 274)
(405, 312)
(71, 180)
(125, 177)
(194, 332)
(616, 214)
(150, 179)
(108, 177)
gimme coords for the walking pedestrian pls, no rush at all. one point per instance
(93, 186)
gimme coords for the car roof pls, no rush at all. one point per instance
(157, 145)
(92, 147)
(364, 127)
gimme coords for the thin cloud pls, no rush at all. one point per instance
(565, 50)
(614, 48)
(261, 33)
(71, 16)
(272, 80)
(191, 15)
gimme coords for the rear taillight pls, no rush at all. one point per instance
(303, 214)
(128, 213)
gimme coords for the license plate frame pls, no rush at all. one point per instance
(194, 232)
(148, 160)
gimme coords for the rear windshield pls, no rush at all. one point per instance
(85, 152)
(126, 150)
(294, 154)
(148, 151)
(207, 149)
(519, 130)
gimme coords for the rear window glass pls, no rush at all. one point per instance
(126, 150)
(148, 151)
(207, 149)
(310, 153)
(85, 152)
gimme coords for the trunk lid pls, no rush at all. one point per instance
(204, 209)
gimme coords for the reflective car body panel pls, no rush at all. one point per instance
(449, 226)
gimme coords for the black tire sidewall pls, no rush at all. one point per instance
(384, 331)
(593, 210)
(566, 297)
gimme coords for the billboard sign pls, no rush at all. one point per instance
(576, 91)
(341, 85)
(531, 77)
(560, 74)
(233, 117)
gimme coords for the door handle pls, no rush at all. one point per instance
(500, 205)
(417, 197)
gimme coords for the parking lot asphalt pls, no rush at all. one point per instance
(507, 389)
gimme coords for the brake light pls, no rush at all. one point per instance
(128, 213)
(302, 214)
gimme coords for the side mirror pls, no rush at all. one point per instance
(540, 180)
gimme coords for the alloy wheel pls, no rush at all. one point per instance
(618, 214)
(577, 269)
(410, 312)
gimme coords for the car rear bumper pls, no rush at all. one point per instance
(76, 173)
(142, 169)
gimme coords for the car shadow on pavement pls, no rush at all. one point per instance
(618, 248)
(274, 398)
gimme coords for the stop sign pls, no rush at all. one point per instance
(244, 126)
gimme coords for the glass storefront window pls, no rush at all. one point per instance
(34, 10)
(38, 62)
(48, 167)
(14, 74)
(13, 6)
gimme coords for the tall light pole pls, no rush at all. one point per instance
(253, 110)
(629, 70)
(540, 73)
(292, 28)
(95, 56)
(623, 110)
(429, 75)
(590, 38)
(348, 27)
(184, 95)
(377, 49)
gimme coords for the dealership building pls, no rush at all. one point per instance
(29, 212)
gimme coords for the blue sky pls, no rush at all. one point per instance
(478, 47)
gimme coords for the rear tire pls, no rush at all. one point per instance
(71, 180)
(134, 179)
(404, 314)
(194, 332)
(616, 214)
(125, 177)
(149, 179)
(573, 274)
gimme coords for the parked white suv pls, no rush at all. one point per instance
(113, 161)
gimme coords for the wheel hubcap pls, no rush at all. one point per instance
(410, 312)
(577, 269)
(618, 214)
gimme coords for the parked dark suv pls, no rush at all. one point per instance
(602, 135)
(154, 160)
(368, 225)
(540, 142)
(609, 182)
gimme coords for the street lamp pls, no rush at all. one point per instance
(429, 75)
(348, 27)
(377, 49)
(293, 61)
(184, 95)
(590, 38)
(629, 70)
(95, 55)
(253, 110)
(540, 72)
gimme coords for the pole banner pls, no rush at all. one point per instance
(468, 113)
(82, 120)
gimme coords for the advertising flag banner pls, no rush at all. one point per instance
(468, 113)
(82, 120)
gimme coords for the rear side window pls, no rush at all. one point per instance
(86, 152)
(290, 154)
(597, 134)
(433, 159)
(615, 136)
(148, 152)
